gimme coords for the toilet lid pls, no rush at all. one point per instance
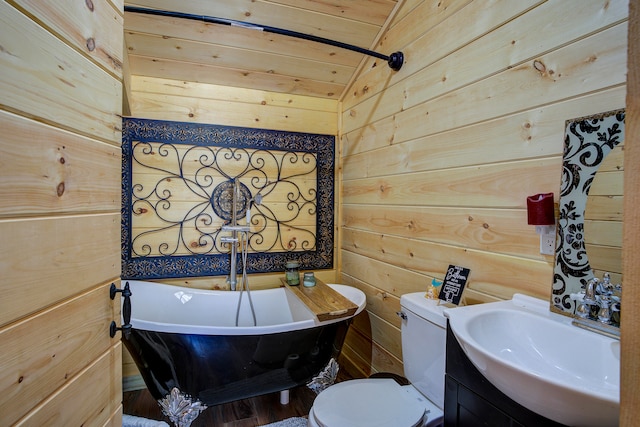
(369, 402)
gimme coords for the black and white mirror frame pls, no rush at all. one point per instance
(588, 140)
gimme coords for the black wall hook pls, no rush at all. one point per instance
(126, 311)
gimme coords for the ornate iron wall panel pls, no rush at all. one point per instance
(176, 195)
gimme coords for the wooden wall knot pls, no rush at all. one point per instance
(539, 66)
(543, 70)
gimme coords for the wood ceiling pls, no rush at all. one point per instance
(195, 51)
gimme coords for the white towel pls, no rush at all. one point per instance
(132, 421)
(289, 422)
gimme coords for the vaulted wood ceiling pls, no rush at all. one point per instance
(188, 50)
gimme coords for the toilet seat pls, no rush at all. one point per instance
(372, 403)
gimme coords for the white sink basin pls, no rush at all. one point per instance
(537, 358)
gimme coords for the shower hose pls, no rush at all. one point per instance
(244, 280)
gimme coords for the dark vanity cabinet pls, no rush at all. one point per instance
(470, 400)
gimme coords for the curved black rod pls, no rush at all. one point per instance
(395, 60)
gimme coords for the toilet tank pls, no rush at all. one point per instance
(424, 345)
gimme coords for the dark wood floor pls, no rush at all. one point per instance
(242, 413)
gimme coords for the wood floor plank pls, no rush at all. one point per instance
(242, 413)
(251, 412)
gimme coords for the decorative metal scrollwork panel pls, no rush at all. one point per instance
(177, 189)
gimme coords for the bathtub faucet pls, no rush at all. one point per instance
(232, 279)
(233, 240)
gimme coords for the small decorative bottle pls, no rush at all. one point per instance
(292, 273)
(309, 279)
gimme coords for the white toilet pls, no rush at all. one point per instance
(382, 402)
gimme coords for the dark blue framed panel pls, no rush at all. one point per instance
(176, 195)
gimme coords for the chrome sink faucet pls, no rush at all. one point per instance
(601, 301)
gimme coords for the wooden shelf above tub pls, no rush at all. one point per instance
(322, 300)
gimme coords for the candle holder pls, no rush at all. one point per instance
(541, 213)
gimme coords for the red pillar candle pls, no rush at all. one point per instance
(540, 210)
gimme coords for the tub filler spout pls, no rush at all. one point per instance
(239, 236)
(238, 233)
(232, 279)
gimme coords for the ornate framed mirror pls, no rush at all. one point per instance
(589, 240)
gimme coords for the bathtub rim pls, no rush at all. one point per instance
(353, 294)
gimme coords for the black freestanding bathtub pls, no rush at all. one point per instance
(191, 355)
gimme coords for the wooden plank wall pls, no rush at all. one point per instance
(603, 217)
(197, 51)
(161, 99)
(61, 86)
(630, 330)
(438, 158)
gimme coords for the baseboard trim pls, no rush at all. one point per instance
(134, 382)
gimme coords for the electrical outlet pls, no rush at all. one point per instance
(548, 243)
